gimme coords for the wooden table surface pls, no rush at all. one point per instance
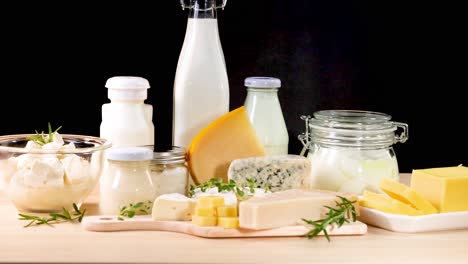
(70, 243)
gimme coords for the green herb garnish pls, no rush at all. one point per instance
(230, 186)
(134, 208)
(55, 218)
(345, 210)
(41, 138)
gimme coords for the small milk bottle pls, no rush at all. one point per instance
(127, 120)
(264, 111)
(201, 88)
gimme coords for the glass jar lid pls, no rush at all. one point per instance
(170, 156)
(352, 128)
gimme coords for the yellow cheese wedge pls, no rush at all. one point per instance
(230, 137)
(205, 211)
(408, 195)
(228, 222)
(210, 201)
(446, 188)
(204, 220)
(226, 211)
(386, 204)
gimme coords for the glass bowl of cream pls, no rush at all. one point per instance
(44, 173)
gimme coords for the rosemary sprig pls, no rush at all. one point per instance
(41, 138)
(134, 208)
(55, 218)
(340, 215)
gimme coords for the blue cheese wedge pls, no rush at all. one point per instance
(275, 173)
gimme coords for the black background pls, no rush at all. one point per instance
(386, 57)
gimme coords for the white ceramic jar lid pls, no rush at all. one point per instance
(127, 87)
(129, 153)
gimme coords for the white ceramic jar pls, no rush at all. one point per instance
(127, 120)
(351, 151)
(127, 179)
(265, 114)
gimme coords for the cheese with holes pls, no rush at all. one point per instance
(285, 208)
(386, 204)
(230, 137)
(407, 195)
(275, 173)
(446, 188)
(173, 206)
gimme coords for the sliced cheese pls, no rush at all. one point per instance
(387, 204)
(286, 208)
(174, 207)
(446, 188)
(408, 195)
(230, 137)
(210, 201)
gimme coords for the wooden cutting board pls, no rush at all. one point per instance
(111, 223)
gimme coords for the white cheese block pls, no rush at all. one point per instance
(287, 208)
(276, 173)
(173, 206)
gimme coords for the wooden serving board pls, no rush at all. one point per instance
(111, 223)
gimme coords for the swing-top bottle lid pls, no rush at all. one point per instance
(262, 82)
(127, 88)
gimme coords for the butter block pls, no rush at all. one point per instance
(285, 208)
(408, 195)
(174, 206)
(226, 211)
(210, 201)
(446, 188)
(205, 211)
(204, 220)
(228, 222)
(387, 204)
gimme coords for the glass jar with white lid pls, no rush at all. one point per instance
(351, 151)
(169, 171)
(127, 180)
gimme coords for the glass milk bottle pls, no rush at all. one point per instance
(201, 88)
(264, 111)
(127, 120)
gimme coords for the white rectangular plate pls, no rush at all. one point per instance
(414, 224)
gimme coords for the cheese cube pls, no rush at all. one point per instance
(228, 222)
(210, 201)
(174, 207)
(386, 204)
(204, 220)
(407, 195)
(205, 211)
(446, 188)
(226, 211)
(286, 208)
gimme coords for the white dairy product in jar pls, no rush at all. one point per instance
(127, 180)
(351, 151)
(265, 114)
(169, 171)
(201, 87)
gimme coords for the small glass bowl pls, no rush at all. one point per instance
(46, 180)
